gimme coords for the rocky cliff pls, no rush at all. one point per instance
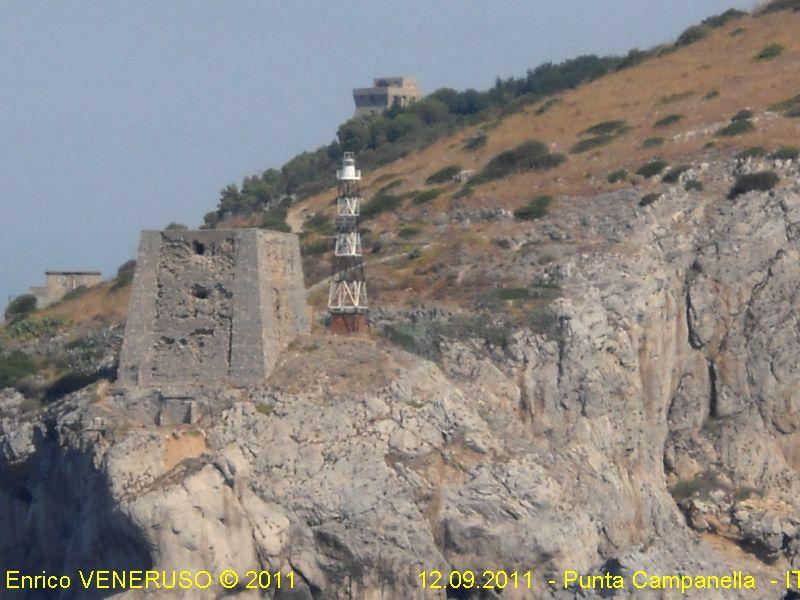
(652, 424)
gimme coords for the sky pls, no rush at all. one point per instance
(122, 116)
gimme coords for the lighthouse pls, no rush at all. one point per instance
(347, 298)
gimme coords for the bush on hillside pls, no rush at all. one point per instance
(668, 120)
(693, 185)
(20, 307)
(762, 181)
(649, 199)
(616, 176)
(175, 226)
(591, 143)
(528, 156)
(752, 152)
(779, 5)
(616, 127)
(381, 203)
(408, 231)
(444, 175)
(786, 153)
(653, 142)
(15, 366)
(770, 52)
(124, 275)
(674, 174)
(739, 127)
(476, 141)
(790, 107)
(693, 34)
(316, 246)
(275, 217)
(742, 115)
(652, 168)
(424, 196)
(535, 209)
(711, 95)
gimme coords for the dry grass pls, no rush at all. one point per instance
(637, 95)
(97, 305)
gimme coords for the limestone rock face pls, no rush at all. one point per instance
(655, 426)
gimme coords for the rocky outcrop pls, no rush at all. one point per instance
(652, 425)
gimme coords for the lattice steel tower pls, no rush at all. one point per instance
(347, 299)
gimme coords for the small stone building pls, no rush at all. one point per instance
(212, 307)
(60, 283)
(385, 91)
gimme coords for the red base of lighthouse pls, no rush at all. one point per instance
(346, 324)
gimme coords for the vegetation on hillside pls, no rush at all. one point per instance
(380, 139)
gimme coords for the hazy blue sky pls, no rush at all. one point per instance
(122, 116)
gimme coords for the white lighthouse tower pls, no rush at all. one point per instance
(347, 299)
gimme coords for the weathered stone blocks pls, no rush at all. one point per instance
(212, 307)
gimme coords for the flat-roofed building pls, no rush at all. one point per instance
(384, 93)
(60, 283)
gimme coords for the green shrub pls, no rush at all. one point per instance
(528, 156)
(779, 5)
(669, 99)
(668, 120)
(423, 196)
(653, 142)
(762, 181)
(617, 127)
(616, 176)
(591, 144)
(786, 153)
(444, 175)
(786, 105)
(736, 128)
(770, 52)
(476, 141)
(316, 246)
(649, 199)
(711, 95)
(723, 19)
(75, 293)
(511, 294)
(15, 366)
(535, 209)
(391, 185)
(275, 217)
(548, 105)
(124, 276)
(381, 203)
(408, 231)
(32, 327)
(652, 168)
(20, 307)
(674, 174)
(319, 223)
(693, 185)
(742, 115)
(175, 226)
(693, 34)
(709, 145)
(752, 152)
(738, 31)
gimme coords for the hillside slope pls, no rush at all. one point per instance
(604, 382)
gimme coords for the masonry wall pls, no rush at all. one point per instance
(212, 307)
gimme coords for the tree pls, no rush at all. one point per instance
(20, 307)
(353, 135)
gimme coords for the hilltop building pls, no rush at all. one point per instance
(60, 283)
(384, 93)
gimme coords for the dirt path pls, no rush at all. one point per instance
(322, 283)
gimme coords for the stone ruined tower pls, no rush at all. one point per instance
(212, 308)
